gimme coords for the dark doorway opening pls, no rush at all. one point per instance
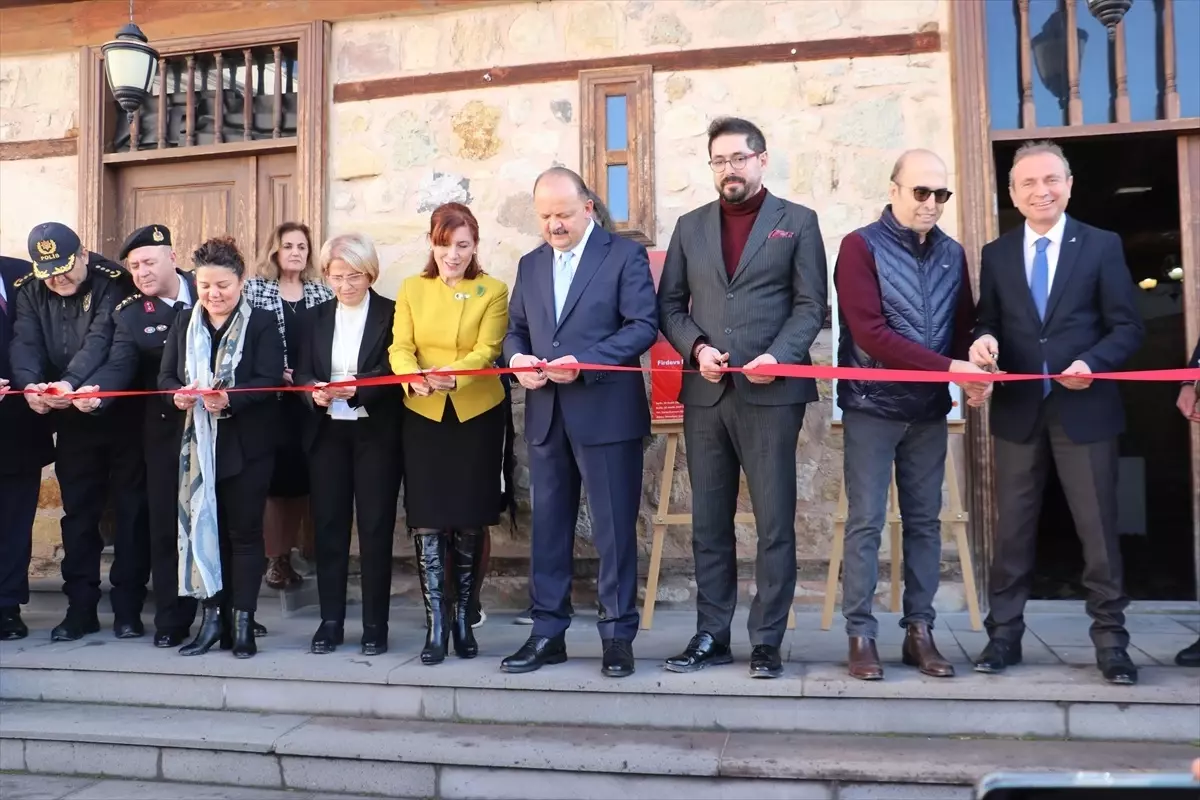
(1130, 184)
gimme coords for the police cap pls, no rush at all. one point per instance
(149, 236)
(52, 249)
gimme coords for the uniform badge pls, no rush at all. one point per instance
(47, 249)
(87, 301)
(157, 235)
(148, 306)
(160, 328)
(148, 329)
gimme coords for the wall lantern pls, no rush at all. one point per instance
(130, 64)
(1109, 12)
(1050, 55)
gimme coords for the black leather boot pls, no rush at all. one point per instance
(430, 545)
(212, 629)
(468, 569)
(243, 634)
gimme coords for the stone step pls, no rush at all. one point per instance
(459, 760)
(27, 786)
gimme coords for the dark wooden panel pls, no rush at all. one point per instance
(39, 148)
(1185, 125)
(709, 58)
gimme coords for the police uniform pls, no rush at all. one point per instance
(68, 339)
(141, 325)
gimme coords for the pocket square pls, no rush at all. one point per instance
(779, 233)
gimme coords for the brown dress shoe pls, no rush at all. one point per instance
(919, 651)
(864, 659)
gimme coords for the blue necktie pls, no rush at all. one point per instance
(1039, 284)
(562, 281)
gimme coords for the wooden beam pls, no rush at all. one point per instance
(39, 148)
(1189, 235)
(1175, 126)
(201, 152)
(60, 26)
(673, 61)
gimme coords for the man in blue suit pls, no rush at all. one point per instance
(585, 296)
(1056, 298)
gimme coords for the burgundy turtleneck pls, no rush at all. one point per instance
(736, 221)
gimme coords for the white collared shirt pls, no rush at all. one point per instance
(560, 291)
(184, 296)
(349, 322)
(1055, 235)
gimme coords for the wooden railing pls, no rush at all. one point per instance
(206, 98)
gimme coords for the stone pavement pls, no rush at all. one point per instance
(53, 787)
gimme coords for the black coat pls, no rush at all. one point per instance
(250, 430)
(25, 437)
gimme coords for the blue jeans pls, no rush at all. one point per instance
(918, 449)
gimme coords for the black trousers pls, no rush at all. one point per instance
(18, 506)
(1088, 473)
(163, 431)
(91, 462)
(241, 501)
(354, 466)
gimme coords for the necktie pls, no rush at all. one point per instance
(562, 282)
(3, 305)
(1039, 285)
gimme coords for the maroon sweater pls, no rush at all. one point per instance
(736, 221)
(860, 305)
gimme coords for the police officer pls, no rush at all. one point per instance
(62, 335)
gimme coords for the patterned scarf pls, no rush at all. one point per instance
(199, 545)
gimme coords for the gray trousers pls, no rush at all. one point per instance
(918, 449)
(722, 440)
(1088, 473)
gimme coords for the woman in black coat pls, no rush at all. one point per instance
(228, 446)
(352, 439)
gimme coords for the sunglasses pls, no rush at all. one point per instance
(922, 193)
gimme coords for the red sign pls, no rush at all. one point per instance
(664, 386)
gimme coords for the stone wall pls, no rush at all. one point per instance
(833, 129)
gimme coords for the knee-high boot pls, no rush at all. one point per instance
(468, 575)
(430, 546)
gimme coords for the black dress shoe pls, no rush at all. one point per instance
(128, 628)
(998, 655)
(171, 637)
(329, 635)
(11, 625)
(1116, 666)
(260, 630)
(1187, 657)
(537, 652)
(618, 658)
(702, 651)
(765, 662)
(75, 625)
(374, 640)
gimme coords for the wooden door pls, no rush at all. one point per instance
(244, 197)
(1189, 230)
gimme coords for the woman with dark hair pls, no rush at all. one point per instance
(451, 317)
(228, 444)
(288, 284)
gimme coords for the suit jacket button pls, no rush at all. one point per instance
(729, 296)
(729, 330)
(554, 344)
(1043, 341)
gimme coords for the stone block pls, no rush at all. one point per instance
(205, 766)
(85, 758)
(348, 699)
(903, 791)
(117, 688)
(442, 188)
(531, 31)
(420, 48)
(476, 126)
(874, 123)
(12, 755)
(376, 52)
(667, 29)
(1140, 722)
(591, 28)
(44, 787)
(356, 161)
(367, 777)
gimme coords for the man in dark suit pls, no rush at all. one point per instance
(752, 268)
(585, 296)
(1056, 298)
(28, 446)
(1189, 405)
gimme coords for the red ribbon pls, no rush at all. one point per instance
(777, 370)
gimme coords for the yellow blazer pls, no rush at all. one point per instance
(460, 327)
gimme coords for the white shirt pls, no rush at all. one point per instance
(183, 297)
(348, 325)
(560, 290)
(1055, 235)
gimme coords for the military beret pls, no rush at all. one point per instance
(52, 249)
(149, 236)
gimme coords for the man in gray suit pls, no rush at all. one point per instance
(752, 267)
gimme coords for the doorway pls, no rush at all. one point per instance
(1130, 184)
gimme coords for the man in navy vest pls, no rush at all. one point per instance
(904, 302)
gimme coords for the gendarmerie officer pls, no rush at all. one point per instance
(27, 446)
(63, 333)
(141, 324)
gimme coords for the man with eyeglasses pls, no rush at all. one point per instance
(904, 302)
(744, 285)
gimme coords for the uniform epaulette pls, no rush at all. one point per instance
(109, 271)
(21, 281)
(127, 301)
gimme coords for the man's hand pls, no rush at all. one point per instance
(977, 391)
(985, 351)
(86, 404)
(442, 383)
(711, 361)
(1187, 402)
(185, 401)
(530, 380)
(287, 377)
(763, 360)
(559, 373)
(58, 395)
(322, 396)
(33, 396)
(3, 385)
(1076, 368)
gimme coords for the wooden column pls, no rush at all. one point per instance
(1189, 230)
(1171, 92)
(1074, 101)
(1121, 68)
(1024, 39)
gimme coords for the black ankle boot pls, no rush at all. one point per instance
(468, 566)
(212, 630)
(243, 634)
(431, 565)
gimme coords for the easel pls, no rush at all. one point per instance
(663, 517)
(954, 514)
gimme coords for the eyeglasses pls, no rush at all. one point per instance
(922, 193)
(353, 279)
(738, 161)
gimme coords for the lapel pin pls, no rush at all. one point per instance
(1072, 238)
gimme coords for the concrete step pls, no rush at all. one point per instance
(461, 760)
(27, 786)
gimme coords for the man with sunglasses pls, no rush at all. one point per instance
(904, 302)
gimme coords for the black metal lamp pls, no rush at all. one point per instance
(1109, 12)
(1050, 55)
(130, 64)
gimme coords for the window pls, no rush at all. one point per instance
(617, 145)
